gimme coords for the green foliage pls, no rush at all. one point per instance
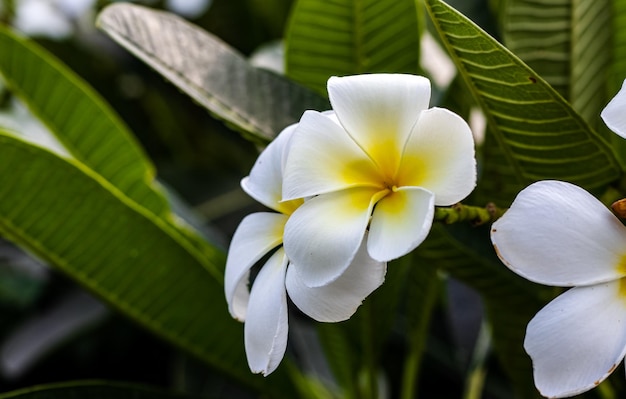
(565, 43)
(349, 37)
(87, 228)
(79, 118)
(94, 215)
(254, 101)
(98, 215)
(539, 133)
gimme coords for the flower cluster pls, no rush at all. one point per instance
(354, 188)
(556, 233)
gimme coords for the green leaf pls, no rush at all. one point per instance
(255, 101)
(591, 39)
(618, 64)
(540, 34)
(567, 44)
(466, 254)
(93, 390)
(80, 119)
(86, 228)
(540, 134)
(350, 37)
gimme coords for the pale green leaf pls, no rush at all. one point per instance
(83, 226)
(254, 101)
(347, 37)
(79, 118)
(540, 134)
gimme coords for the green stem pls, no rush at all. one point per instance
(468, 213)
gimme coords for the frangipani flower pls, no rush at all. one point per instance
(556, 233)
(380, 162)
(264, 307)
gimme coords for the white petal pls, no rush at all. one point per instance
(439, 156)
(338, 300)
(265, 331)
(401, 221)
(556, 233)
(256, 235)
(379, 110)
(323, 235)
(614, 114)
(578, 339)
(323, 158)
(265, 182)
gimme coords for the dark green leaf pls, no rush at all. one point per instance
(348, 37)
(541, 136)
(254, 101)
(566, 43)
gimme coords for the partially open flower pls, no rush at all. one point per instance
(379, 163)
(264, 307)
(556, 233)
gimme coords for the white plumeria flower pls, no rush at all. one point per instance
(381, 161)
(264, 307)
(558, 234)
(613, 114)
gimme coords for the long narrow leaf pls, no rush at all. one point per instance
(350, 37)
(83, 226)
(540, 134)
(254, 101)
(80, 119)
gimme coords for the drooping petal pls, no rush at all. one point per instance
(323, 235)
(266, 328)
(256, 235)
(439, 156)
(323, 158)
(264, 183)
(578, 339)
(379, 110)
(613, 114)
(556, 233)
(338, 300)
(401, 221)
